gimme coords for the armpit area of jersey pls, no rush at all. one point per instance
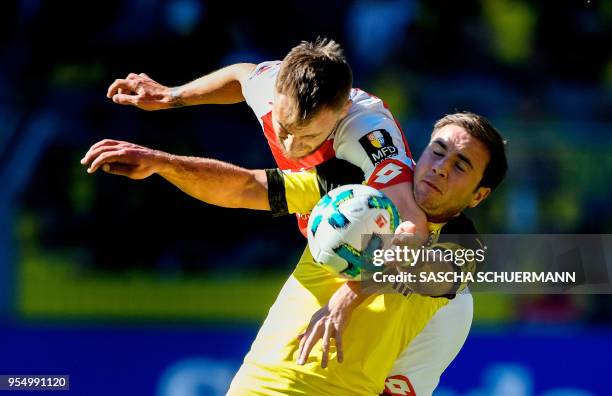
(337, 172)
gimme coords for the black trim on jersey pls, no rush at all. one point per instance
(459, 230)
(276, 192)
(337, 172)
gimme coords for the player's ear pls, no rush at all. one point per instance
(479, 195)
(345, 108)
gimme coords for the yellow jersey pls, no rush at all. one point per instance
(379, 330)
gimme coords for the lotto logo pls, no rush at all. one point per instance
(381, 221)
(398, 385)
(388, 172)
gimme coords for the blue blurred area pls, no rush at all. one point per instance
(188, 362)
(541, 71)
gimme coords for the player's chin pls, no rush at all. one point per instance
(427, 202)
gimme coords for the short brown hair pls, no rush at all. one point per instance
(317, 75)
(482, 129)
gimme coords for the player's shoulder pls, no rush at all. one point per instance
(258, 88)
(369, 127)
(262, 78)
(367, 114)
(461, 230)
(359, 96)
(460, 225)
(267, 69)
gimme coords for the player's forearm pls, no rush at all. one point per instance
(348, 296)
(216, 182)
(220, 87)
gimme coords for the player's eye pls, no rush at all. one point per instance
(438, 153)
(459, 167)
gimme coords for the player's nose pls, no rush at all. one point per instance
(439, 169)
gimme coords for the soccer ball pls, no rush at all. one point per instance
(346, 225)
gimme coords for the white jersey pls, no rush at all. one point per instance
(368, 137)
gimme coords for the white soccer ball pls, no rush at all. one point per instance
(343, 226)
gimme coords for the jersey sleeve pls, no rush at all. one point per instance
(292, 192)
(417, 369)
(258, 89)
(299, 192)
(374, 142)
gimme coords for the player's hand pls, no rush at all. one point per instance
(123, 158)
(329, 322)
(326, 323)
(406, 235)
(141, 91)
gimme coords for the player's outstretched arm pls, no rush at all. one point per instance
(211, 181)
(223, 86)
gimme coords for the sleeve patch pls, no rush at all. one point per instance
(378, 144)
(390, 173)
